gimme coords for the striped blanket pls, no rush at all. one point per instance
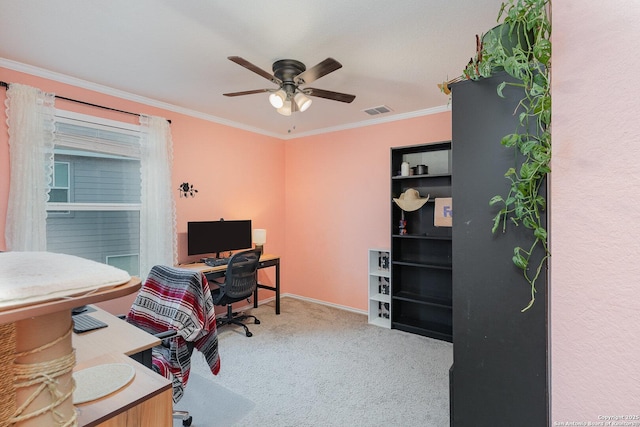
(177, 299)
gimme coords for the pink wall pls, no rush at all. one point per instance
(329, 201)
(595, 224)
(238, 174)
(338, 204)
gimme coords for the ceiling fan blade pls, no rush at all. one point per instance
(247, 92)
(335, 96)
(259, 71)
(327, 66)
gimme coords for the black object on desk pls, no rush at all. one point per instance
(78, 310)
(86, 309)
(85, 323)
(214, 262)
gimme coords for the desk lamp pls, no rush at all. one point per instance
(259, 238)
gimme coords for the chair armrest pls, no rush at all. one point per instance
(215, 285)
(164, 337)
(160, 335)
(166, 334)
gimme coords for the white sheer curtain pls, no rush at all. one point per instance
(158, 240)
(30, 119)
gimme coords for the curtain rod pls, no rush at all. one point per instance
(6, 86)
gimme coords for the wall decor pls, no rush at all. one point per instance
(187, 190)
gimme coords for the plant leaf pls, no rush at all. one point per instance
(536, 90)
(510, 140)
(484, 68)
(540, 233)
(525, 171)
(501, 87)
(542, 51)
(528, 146)
(495, 199)
(520, 261)
(523, 118)
(496, 222)
(529, 223)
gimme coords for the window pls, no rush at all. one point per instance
(97, 181)
(127, 262)
(60, 185)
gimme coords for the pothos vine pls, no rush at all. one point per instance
(527, 25)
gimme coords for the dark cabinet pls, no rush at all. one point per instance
(499, 374)
(421, 258)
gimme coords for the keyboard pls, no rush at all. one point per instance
(214, 262)
(85, 323)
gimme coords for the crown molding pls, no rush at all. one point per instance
(74, 81)
(365, 123)
(84, 84)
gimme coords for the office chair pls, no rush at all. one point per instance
(239, 283)
(175, 305)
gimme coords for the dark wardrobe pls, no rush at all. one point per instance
(500, 375)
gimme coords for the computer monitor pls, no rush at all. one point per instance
(213, 237)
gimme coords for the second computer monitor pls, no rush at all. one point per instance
(214, 237)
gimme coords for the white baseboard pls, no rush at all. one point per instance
(288, 295)
(328, 304)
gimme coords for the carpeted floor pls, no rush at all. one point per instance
(315, 365)
(204, 394)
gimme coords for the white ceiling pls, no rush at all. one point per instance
(393, 53)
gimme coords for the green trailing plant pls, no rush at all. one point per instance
(527, 58)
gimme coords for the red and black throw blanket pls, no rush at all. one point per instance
(177, 299)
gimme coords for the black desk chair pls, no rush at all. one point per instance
(239, 283)
(175, 305)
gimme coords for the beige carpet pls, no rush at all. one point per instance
(204, 396)
(315, 365)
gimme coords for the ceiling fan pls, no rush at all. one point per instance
(289, 75)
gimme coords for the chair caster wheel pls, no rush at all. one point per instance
(187, 421)
(249, 334)
(257, 322)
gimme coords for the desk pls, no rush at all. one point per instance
(266, 261)
(119, 337)
(147, 398)
(145, 401)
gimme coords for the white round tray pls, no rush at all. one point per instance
(98, 381)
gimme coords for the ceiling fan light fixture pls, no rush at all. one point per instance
(277, 99)
(302, 101)
(285, 110)
(289, 74)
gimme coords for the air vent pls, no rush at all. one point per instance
(377, 110)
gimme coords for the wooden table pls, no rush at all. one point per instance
(146, 401)
(17, 313)
(119, 337)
